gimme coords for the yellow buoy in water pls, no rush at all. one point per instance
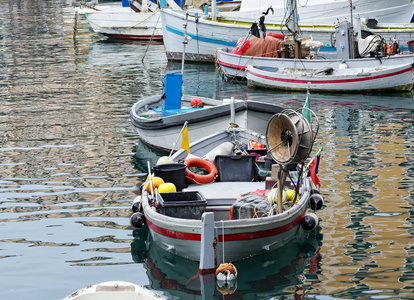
(167, 187)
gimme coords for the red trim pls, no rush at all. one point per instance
(134, 37)
(227, 237)
(239, 67)
(330, 81)
(206, 271)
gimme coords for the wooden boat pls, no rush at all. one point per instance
(120, 290)
(292, 61)
(178, 221)
(208, 35)
(378, 79)
(159, 119)
(234, 66)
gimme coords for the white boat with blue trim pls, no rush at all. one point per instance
(211, 32)
(159, 119)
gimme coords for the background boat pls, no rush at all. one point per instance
(233, 66)
(321, 12)
(351, 80)
(207, 36)
(125, 23)
(159, 127)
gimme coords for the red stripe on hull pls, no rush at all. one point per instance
(227, 237)
(330, 81)
(135, 37)
(238, 67)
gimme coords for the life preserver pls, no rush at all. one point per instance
(276, 35)
(202, 163)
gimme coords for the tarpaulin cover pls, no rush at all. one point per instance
(269, 47)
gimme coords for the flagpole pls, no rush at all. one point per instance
(181, 131)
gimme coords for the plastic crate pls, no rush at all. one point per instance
(261, 152)
(184, 205)
(235, 167)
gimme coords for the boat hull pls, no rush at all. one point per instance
(163, 131)
(398, 78)
(207, 36)
(327, 11)
(124, 23)
(234, 66)
(236, 239)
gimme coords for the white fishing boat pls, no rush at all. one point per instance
(159, 119)
(351, 80)
(125, 23)
(325, 11)
(120, 290)
(212, 32)
(234, 66)
(234, 208)
(361, 64)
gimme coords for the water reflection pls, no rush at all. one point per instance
(71, 164)
(282, 273)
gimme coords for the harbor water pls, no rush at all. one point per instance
(71, 165)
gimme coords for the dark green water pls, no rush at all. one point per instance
(71, 164)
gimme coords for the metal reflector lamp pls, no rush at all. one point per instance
(289, 137)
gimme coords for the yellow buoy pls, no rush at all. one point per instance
(163, 160)
(272, 196)
(167, 187)
(291, 195)
(156, 182)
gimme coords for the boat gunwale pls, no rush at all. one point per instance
(219, 110)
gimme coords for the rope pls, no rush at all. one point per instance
(152, 36)
(88, 6)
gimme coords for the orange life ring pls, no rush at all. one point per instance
(202, 163)
(276, 35)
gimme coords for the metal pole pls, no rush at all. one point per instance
(213, 10)
(185, 42)
(352, 32)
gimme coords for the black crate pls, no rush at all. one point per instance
(185, 205)
(235, 167)
(261, 152)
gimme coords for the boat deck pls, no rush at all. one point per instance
(221, 195)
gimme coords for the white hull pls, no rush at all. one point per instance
(123, 22)
(207, 36)
(120, 290)
(242, 238)
(161, 132)
(398, 78)
(327, 11)
(233, 65)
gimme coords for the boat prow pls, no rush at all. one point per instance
(120, 290)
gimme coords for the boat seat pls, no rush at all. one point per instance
(171, 112)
